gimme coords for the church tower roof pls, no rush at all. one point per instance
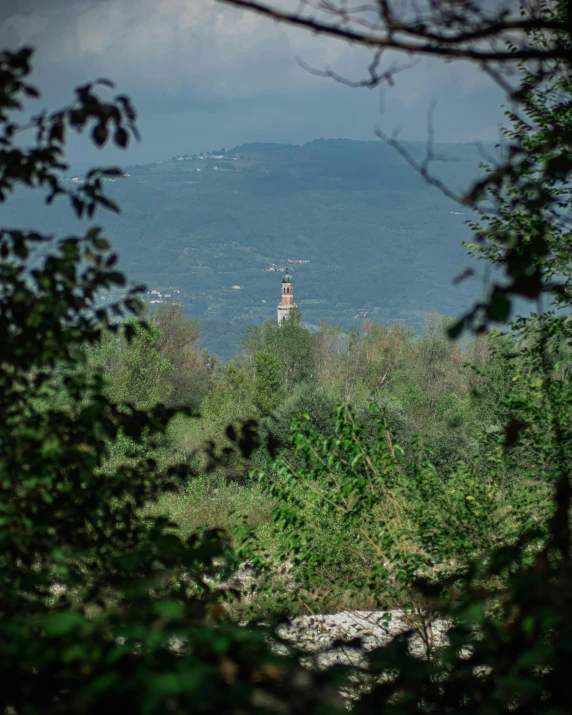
(287, 277)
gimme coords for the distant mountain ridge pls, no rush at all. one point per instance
(380, 242)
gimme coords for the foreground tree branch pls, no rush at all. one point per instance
(526, 48)
(457, 30)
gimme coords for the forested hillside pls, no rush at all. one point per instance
(165, 516)
(380, 242)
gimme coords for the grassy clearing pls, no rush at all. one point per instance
(209, 503)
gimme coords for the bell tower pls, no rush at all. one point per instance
(287, 303)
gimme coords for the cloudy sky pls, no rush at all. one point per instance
(204, 76)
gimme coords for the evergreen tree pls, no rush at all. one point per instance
(269, 388)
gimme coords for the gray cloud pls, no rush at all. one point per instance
(203, 74)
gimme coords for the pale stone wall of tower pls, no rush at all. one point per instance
(287, 302)
(283, 311)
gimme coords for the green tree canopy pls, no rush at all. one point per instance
(290, 342)
(102, 609)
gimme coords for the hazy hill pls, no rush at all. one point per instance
(380, 243)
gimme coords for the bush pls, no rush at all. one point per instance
(361, 520)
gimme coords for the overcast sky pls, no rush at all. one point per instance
(204, 76)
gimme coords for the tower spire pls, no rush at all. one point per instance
(287, 303)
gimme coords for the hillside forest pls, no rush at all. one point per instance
(431, 411)
(163, 514)
(213, 231)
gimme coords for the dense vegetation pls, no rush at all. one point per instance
(428, 412)
(370, 468)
